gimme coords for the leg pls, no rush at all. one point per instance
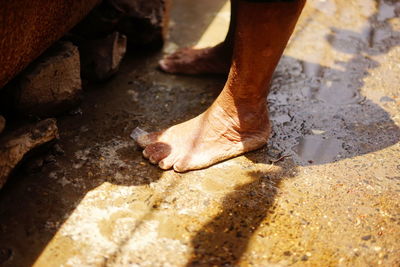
(237, 121)
(210, 60)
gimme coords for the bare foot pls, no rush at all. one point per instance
(211, 137)
(210, 60)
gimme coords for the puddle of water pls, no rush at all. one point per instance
(338, 95)
(314, 149)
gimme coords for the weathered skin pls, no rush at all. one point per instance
(28, 27)
(237, 122)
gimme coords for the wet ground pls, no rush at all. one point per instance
(324, 192)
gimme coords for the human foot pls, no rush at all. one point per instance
(211, 137)
(210, 60)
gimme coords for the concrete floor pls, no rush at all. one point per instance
(324, 192)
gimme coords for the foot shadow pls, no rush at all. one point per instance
(224, 239)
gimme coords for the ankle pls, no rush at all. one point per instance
(247, 116)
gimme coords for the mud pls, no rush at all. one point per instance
(323, 192)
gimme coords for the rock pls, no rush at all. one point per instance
(15, 145)
(144, 22)
(100, 22)
(2, 123)
(100, 59)
(52, 84)
(29, 27)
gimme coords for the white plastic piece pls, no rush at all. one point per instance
(137, 132)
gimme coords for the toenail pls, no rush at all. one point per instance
(145, 154)
(162, 63)
(152, 160)
(178, 169)
(162, 165)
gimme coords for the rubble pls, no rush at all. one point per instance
(15, 145)
(52, 84)
(100, 59)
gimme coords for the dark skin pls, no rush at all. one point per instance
(237, 121)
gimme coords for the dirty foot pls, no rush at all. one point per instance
(210, 60)
(211, 137)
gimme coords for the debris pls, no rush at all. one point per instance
(76, 112)
(15, 145)
(137, 132)
(366, 238)
(100, 58)
(280, 159)
(317, 132)
(52, 84)
(287, 253)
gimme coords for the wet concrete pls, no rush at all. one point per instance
(323, 192)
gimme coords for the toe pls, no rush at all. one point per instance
(182, 165)
(156, 152)
(147, 139)
(178, 168)
(145, 154)
(166, 163)
(163, 64)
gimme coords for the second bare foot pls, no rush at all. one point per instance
(210, 60)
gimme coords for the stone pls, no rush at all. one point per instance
(15, 145)
(100, 22)
(52, 84)
(144, 22)
(2, 123)
(29, 27)
(101, 58)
